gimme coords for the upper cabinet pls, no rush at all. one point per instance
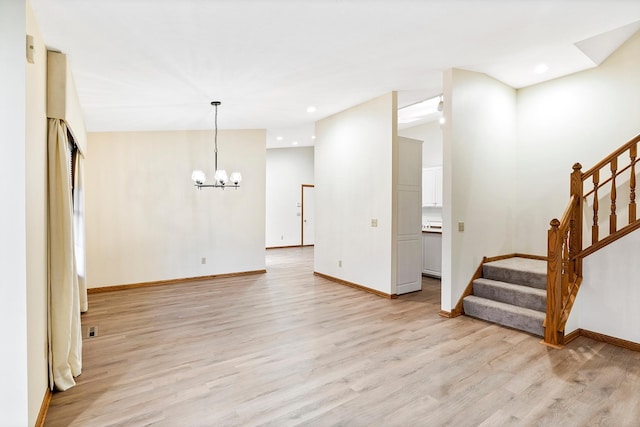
(432, 186)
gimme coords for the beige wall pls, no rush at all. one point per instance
(353, 172)
(145, 221)
(36, 211)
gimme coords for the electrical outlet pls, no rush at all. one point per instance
(340, 263)
(282, 237)
(203, 260)
(374, 222)
(461, 226)
(90, 331)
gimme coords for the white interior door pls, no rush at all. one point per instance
(308, 212)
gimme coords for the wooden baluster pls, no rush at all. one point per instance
(633, 152)
(575, 243)
(567, 270)
(613, 218)
(595, 230)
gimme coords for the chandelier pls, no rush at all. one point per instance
(222, 180)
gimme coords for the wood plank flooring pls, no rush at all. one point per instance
(288, 348)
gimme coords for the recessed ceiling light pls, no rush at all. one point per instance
(279, 138)
(313, 137)
(294, 143)
(541, 68)
(311, 109)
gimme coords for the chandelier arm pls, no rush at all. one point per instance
(217, 186)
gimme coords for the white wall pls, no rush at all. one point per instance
(479, 176)
(353, 178)
(431, 136)
(145, 221)
(13, 292)
(287, 170)
(579, 118)
(36, 221)
(609, 297)
(582, 118)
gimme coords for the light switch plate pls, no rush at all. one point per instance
(31, 48)
(461, 226)
(374, 222)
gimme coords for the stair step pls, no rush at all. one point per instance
(501, 313)
(521, 271)
(522, 296)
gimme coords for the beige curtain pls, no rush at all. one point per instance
(78, 228)
(65, 337)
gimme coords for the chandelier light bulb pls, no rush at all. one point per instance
(221, 176)
(198, 177)
(235, 178)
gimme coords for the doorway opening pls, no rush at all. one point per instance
(308, 212)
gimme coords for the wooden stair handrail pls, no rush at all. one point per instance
(611, 163)
(602, 163)
(568, 212)
(608, 180)
(564, 238)
(609, 239)
(557, 241)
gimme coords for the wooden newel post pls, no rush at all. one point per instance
(554, 285)
(575, 231)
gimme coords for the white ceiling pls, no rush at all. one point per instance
(157, 64)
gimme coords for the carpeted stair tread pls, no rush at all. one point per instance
(509, 315)
(522, 296)
(521, 271)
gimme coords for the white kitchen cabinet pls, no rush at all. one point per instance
(432, 186)
(432, 254)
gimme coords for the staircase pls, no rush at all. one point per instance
(511, 292)
(524, 293)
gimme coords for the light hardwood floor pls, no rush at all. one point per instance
(288, 348)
